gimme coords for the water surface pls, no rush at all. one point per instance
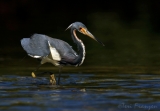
(90, 91)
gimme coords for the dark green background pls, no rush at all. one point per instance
(130, 29)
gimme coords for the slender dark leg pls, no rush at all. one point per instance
(37, 67)
(60, 68)
(33, 74)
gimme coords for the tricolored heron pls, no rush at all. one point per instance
(56, 51)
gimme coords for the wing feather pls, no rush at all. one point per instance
(55, 55)
(38, 46)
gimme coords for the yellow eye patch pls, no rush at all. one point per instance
(83, 30)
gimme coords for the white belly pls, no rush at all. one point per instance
(49, 60)
(53, 57)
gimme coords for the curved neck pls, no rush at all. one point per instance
(81, 48)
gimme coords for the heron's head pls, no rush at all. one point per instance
(83, 29)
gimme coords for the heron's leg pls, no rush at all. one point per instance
(33, 74)
(52, 79)
(60, 68)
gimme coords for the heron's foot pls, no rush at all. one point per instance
(52, 79)
(33, 74)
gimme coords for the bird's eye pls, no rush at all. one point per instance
(80, 28)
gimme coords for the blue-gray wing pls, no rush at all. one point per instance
(37, 46)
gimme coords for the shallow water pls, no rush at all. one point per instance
(81, 92)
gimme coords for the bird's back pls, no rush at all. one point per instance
(37, 46)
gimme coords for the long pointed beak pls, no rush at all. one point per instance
(92, 36)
